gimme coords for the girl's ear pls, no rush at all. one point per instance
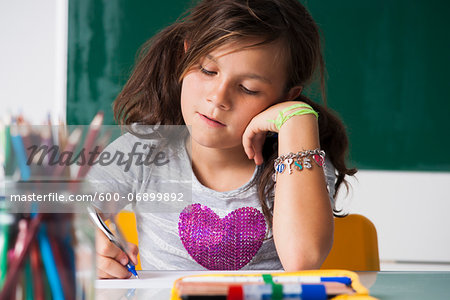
(186, 46)
(294, 92)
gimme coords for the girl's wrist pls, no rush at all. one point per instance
(298, 133)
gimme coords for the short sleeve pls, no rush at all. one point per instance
(112, 182)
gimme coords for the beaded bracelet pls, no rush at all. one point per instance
(301, 160)
(281, 119)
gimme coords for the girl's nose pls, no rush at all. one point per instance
(219, 95)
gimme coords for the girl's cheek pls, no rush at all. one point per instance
(191, 84)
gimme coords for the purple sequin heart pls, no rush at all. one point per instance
(221, 244)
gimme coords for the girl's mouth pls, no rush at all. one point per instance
(211, 122)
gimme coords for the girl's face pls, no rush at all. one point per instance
(227, 88)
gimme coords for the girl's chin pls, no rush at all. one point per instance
(205, 142)
(216, 142)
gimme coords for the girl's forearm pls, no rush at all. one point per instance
(303, 218)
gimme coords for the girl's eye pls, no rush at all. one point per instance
(211, 73)
(247, 91)
(207, 72)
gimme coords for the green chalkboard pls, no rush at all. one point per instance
(104, 38)
(388, 64)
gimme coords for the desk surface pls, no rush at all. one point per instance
(382, 285)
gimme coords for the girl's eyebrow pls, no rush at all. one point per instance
(257, 77)
(246, 75)
(211, 58)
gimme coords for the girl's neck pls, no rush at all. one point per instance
(220, 169)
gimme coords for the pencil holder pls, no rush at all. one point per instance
(85, 256)
(47, 252)
(47, 245)
(47, 256)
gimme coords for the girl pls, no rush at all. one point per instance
(233, 70)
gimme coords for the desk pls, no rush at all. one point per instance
(382, 285)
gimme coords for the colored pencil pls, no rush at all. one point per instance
(4, 245)
(62, 267)
(17, 263)
(9, 153)
(89, 144)
(29, 293)
(20, 152)
(62, 135)
(36, 270)
(49, 263)
(46, 139)
(72, 142)
(21, 237)
(25, 132)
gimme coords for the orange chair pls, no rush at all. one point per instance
(126, 221)
(355, 245)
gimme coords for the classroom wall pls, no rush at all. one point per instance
(408, 208)
(33, 58)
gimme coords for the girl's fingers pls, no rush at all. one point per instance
(253, 143)
(247, 142)
(110, 268)
(106, 248)
(133, 251)
(258, 142)
(110, 259)
(102, 274)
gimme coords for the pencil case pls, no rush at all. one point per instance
(360, 291)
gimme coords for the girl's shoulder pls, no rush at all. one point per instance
(137, 149)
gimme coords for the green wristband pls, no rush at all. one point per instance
(281, 119)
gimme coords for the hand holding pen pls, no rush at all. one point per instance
(116, 258)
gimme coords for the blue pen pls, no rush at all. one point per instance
(120, 244)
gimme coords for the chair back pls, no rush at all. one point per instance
(126, 220)
(355, 245)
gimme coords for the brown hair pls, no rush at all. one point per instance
(152, 94)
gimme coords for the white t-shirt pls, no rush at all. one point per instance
(206, 229)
